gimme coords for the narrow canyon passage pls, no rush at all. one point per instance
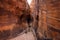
(29, 19)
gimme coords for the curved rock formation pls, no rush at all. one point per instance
(11, 23)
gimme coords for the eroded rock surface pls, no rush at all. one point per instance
(11, 23)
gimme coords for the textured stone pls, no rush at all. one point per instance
(10, 13)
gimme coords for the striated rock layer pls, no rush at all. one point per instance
(13, 15)
(49, 18)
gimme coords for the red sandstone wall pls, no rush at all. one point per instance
(10, 22)
(50, 19)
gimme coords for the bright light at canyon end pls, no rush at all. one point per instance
(29, 1)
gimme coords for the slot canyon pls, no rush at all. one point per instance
(29, 19)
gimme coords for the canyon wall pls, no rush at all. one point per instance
(13, 15)
(49, 19)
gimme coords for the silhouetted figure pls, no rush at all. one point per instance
(26, 17)
(29, 19)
